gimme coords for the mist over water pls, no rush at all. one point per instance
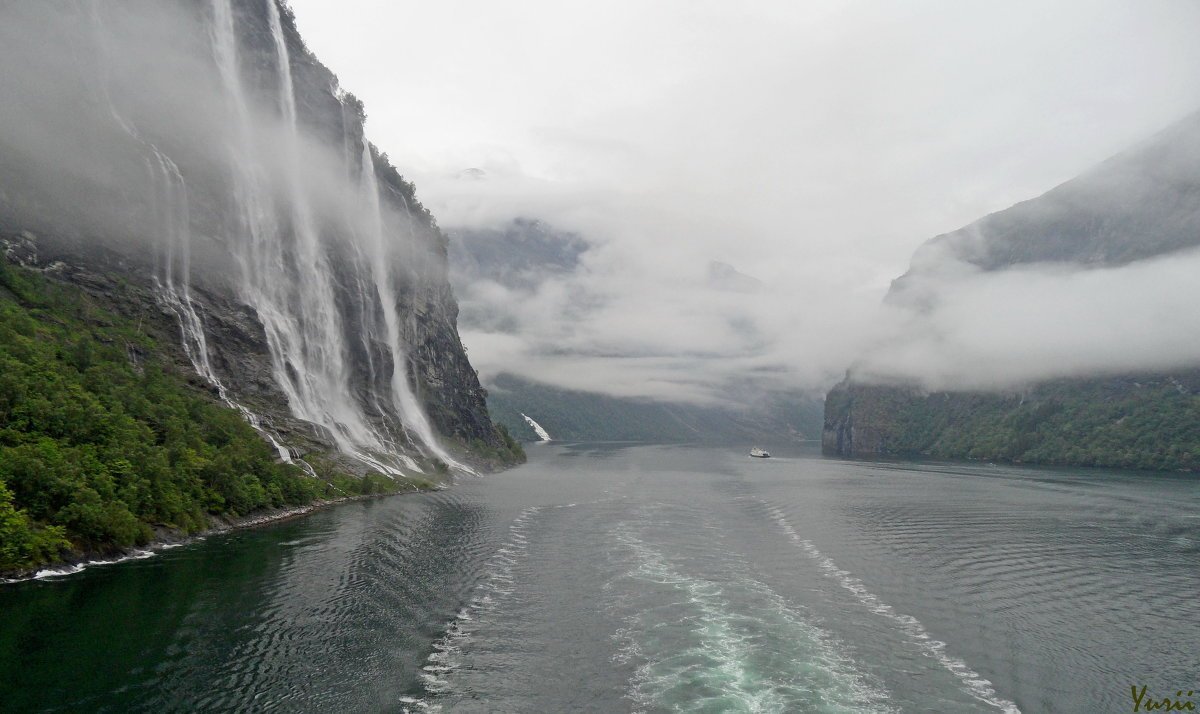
(602, 578)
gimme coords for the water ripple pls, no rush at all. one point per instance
(974, 683)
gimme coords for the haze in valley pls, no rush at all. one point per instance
(812, 147)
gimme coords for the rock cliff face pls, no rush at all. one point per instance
(1140, 204)
(1132, 421)
(199, 151)
(857, 420)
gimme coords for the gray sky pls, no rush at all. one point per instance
(811, 145)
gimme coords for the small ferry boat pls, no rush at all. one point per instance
(759, 453)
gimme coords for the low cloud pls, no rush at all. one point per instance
(987, 330)
(626, 326)
(634, 321)
(811, 146)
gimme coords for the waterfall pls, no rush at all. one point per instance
(173, 281)
(542, 434)
(310, 340)
(172, 277)
(403, 398)
(284, 256)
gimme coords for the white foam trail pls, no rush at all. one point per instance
(727, 632)
(497, 585)
(537, 428)
(973, 683)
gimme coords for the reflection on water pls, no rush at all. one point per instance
(623, 578)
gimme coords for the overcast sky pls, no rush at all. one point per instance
(811, 145)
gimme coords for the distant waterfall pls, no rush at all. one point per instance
(542, 434)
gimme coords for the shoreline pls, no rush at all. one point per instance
(167, 539)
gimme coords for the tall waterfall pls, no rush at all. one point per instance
(172, 276)
(284, 255)
(402, 395)
(173, 282)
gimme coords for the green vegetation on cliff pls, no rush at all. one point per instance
(508, 453)
(1144, 422)
(1141, 204)
(103, 440)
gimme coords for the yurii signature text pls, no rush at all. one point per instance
(1149, 703)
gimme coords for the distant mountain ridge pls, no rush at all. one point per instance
(518, 254)
(1139, 204)
(570, 415)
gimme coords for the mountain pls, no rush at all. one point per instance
(517, 255)
(186, 181)
(1141, 204)
(523, 254)
(1138, 204)
(569, 415)
(723, 276)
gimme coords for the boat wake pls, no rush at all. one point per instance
(496, 586)
(720, 644)
(973, 683)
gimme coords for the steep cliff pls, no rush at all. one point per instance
(200, 153)
(1135, 421)
(1139, 205)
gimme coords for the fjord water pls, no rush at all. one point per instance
(610, 578)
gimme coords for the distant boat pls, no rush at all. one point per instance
(759, 453)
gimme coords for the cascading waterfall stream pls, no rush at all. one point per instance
(403, 397)
(172, 278)
(364, 292)
(286, 274)
(174, 291)
(312, 341)
(268, 285)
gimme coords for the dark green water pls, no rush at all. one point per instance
(648, 579)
